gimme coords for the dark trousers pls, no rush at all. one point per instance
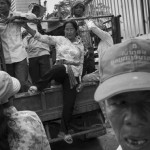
(38, 66)
(19, 70)
(69, 97)
(58, 73)
(89, 62)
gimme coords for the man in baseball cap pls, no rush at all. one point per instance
(125, 88)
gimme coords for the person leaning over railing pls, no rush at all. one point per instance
(19, 130)
(67, 70)
(105, 42)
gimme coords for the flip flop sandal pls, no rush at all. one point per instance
(68, 139)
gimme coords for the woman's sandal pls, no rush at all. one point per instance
(67, 138)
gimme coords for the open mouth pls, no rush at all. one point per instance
(136, 143)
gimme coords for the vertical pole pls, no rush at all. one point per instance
(143, 16)
(149, 12)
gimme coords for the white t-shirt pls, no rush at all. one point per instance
(12, 43)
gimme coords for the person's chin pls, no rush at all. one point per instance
(79, 14)
(135, 143)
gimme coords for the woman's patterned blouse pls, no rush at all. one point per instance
(29, 130)
(65, 49)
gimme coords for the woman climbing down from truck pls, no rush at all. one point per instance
(67, 71)
(19, 130)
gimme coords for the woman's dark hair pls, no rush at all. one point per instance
(5, 130)
(73, 23)
(35, 9)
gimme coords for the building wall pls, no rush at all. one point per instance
(22, 5)
(134, 19)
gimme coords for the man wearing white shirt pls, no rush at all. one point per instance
(12, 44)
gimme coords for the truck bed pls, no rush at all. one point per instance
(48, 104)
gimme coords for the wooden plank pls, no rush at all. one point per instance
(48, 104)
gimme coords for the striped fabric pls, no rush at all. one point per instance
(13, 5)
(22, 5)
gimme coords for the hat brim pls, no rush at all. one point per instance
(134, 81)
(78, 3)
(15, 86)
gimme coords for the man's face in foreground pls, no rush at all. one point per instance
(129, 115)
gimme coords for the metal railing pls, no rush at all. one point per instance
(134, 19)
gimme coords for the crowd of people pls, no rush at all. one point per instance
(123, 73)
(70, 54)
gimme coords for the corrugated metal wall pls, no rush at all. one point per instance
(134, 14)
(22, 5)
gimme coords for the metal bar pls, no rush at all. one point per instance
(62, 20)
(115, 7)
(130, 20)
(103, 130)
(138, 18)
(103, 4)
(98, 3)
(126, 10)
(143, 16)
(146, 14)
(107, 4)
(123, 16)
(111, 6)
(132, 5)
(118, 7)
(94, 5)
(97, 6)
(149, 13)
(108, 21)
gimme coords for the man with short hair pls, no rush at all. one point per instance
(125, 88)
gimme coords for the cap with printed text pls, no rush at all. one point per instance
(124, 67)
